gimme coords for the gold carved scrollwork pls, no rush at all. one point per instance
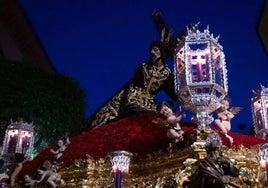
(157, 169)
(170, 168)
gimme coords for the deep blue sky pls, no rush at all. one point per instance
(101, 42)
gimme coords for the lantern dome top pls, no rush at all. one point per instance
(20, 125)
(194, 34)
(260, 92)
(200, 74)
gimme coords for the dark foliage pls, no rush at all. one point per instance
(54, 103)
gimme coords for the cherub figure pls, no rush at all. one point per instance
(19, 159)
(170, 120)
(61, 148)
(52, 177)
(225, 115)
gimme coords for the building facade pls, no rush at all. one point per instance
(18, 40)
(262, 26)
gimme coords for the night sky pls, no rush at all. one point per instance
(100, 42)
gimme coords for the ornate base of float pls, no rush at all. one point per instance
(157, 169)
(171, 168)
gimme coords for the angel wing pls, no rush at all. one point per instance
(235, 110)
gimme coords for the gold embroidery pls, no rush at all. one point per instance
(134, 96)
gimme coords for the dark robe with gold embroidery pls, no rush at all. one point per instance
(209, 172)
(138, 95)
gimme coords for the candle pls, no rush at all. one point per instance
(118, 178)
(120, 163)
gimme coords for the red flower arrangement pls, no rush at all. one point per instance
(136, 134)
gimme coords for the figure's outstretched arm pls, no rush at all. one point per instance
(54, 151)
(44, 173)
(51, 180)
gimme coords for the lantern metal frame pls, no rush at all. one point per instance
(200, 75)
(259, 111)
(120, 160)
(19, 138)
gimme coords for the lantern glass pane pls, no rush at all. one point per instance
(199, 62)
(12, 144)
(266, 114)
(266, 103)
(12, 132)
(219, 74)
(259, 120)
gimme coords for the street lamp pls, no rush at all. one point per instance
(120, 163)
(200, 75)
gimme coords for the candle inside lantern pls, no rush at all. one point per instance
(118, 178)
(120, 163)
